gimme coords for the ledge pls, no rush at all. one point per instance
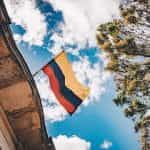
(25, 80)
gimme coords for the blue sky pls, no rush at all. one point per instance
(98, 120)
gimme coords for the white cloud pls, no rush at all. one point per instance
(106, 145)
(63, 142)
(26, 14)
(147, 114)
(81, 18)
(93, 76)
(17, 37)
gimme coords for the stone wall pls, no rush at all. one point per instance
(19, 98)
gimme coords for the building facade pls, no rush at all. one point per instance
(22, 124)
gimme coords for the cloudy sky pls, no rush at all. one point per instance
(42, 28)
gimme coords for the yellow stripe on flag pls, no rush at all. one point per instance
(70, 80)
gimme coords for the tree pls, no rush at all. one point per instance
(123, 40)
(121, 99)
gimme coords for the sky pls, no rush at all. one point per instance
(42, 28)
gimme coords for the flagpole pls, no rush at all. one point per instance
(34, 74)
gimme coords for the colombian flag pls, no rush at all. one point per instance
(68, 90)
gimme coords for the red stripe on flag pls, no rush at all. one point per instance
(56, 89)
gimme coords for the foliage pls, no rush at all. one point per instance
(123, 40)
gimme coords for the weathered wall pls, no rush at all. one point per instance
(6, 133)
(19, 98)
(3, 142)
